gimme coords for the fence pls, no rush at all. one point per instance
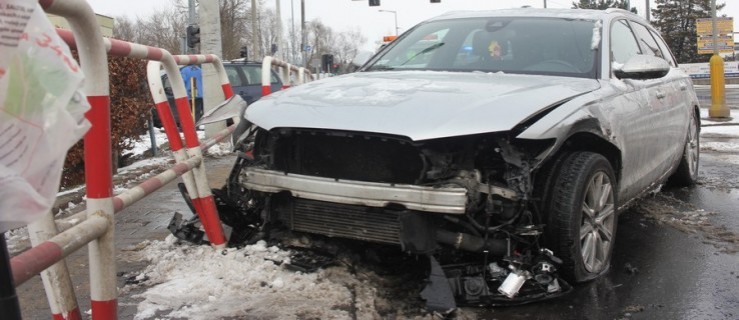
(96, 224)
(286, 70)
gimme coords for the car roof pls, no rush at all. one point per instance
(584, 14)
(241, 61)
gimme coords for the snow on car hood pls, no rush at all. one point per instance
(420, 105)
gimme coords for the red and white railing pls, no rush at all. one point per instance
(96, 224)
(286, 71)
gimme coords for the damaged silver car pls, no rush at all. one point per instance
(500, 144)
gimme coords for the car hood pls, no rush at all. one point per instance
(420, 105)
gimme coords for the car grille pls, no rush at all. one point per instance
(348, 156)
(344, 221)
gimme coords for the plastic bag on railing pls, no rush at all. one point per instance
(41, 111)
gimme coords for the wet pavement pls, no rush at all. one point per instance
(675, 256)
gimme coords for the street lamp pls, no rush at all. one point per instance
(396, 18)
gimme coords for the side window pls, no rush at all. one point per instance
(623, 43)
(253, 74)
(647, 41)
(233, 76)
(665, 49)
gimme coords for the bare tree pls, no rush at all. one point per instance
(124, 29)
(163, 28)
(346, 45)
(234, 20)
(321, 37)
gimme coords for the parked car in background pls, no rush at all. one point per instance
(245, 78)
(500, 144)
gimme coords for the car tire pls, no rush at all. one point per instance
(687, 171)
(585, 183)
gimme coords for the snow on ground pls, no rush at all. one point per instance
(197, 282)
(720, 136)
(143, 143)
(734, 117)
(17, 240)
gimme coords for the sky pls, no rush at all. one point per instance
(343, 15)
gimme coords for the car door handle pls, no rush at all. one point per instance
(660, 94)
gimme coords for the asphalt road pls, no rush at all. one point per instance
(675, 256)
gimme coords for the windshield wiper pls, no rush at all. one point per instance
(380, 67)
(424, 51)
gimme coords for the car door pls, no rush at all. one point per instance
(670, 108)
(633, 118)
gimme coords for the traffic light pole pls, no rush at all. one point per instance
(191, 21)
(303, 34)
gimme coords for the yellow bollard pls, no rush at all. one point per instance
(718, 89)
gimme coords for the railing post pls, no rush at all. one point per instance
(266, 72)
(56, 280)
(98, 157)
(198, 191)
(286, 75)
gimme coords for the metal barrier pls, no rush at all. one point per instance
(97, 226)
(286, 70)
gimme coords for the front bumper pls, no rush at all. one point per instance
(449, 200)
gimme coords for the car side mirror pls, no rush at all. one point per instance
(642, 67)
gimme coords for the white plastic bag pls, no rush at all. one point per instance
(41, 111)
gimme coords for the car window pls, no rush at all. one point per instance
(623, 43)
(665, 49)
(648, 43)
(253, 74)
(550, 46)
(233, 76)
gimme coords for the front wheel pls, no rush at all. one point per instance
(582, 215)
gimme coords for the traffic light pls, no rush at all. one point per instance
(374, 3)
(244, 53)
(327, 62)
(193, 36)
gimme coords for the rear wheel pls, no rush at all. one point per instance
(582, 215)
(687, 171)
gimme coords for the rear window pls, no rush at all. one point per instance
(247, 74)
(253, 74)
(233, 76)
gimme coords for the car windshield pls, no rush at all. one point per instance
(546, 46)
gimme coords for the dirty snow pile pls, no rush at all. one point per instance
(726, 131)
(197, 282)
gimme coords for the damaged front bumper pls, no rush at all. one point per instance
(449, 200)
